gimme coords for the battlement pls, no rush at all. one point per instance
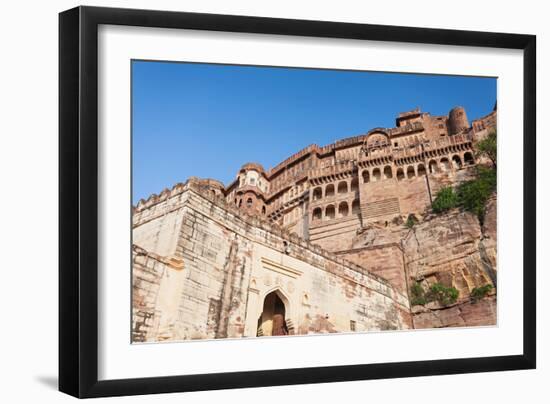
(339, 169)
(296, 156)
(348, 142)
(405, 127)
(408, 128)
(408, 114)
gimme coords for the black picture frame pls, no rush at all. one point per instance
(78, 201)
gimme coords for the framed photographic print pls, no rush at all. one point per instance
(250, 201)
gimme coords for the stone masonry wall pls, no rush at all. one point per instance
(150, 291)
(381, 199)
(336, 234)
(146, 275)
(231, 263)
(386, 260)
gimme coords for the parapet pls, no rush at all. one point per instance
(208, 182)
(403, 116)
(252, 166)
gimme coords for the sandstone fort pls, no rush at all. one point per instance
(320, 243)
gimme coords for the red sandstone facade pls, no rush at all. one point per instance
(325, 194)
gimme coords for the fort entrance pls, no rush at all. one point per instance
(272, 321)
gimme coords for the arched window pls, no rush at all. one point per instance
(366, 176)
(330, 212)
(376, 174)
(317, 214)
(355, 209)
(343, 187)
(240, 202)
(433, 167)
(457, 163)
(343, 209)
(235, 201)
(317, 193)
(329, 190)
(400, 174)
(445, 166)
(410, 172)
(468, 158)
(354, 185)
(421, 170)
(249, 202)
(387, 172)
(263, 210)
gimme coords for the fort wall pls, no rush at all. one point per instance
(386, 260)
(231, 264)
(156, 281)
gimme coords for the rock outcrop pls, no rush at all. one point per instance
(452, 250)
(481, 313)
(488, 245)
(448, 249)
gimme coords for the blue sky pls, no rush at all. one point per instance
(207, 120)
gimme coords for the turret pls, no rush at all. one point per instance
(252, 186)
(458, 121)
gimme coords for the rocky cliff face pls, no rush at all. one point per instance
(452, 250)
(488, 245)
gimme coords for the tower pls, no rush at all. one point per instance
(252, 188)
(458, 121)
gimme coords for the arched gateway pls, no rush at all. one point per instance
(272, 321)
